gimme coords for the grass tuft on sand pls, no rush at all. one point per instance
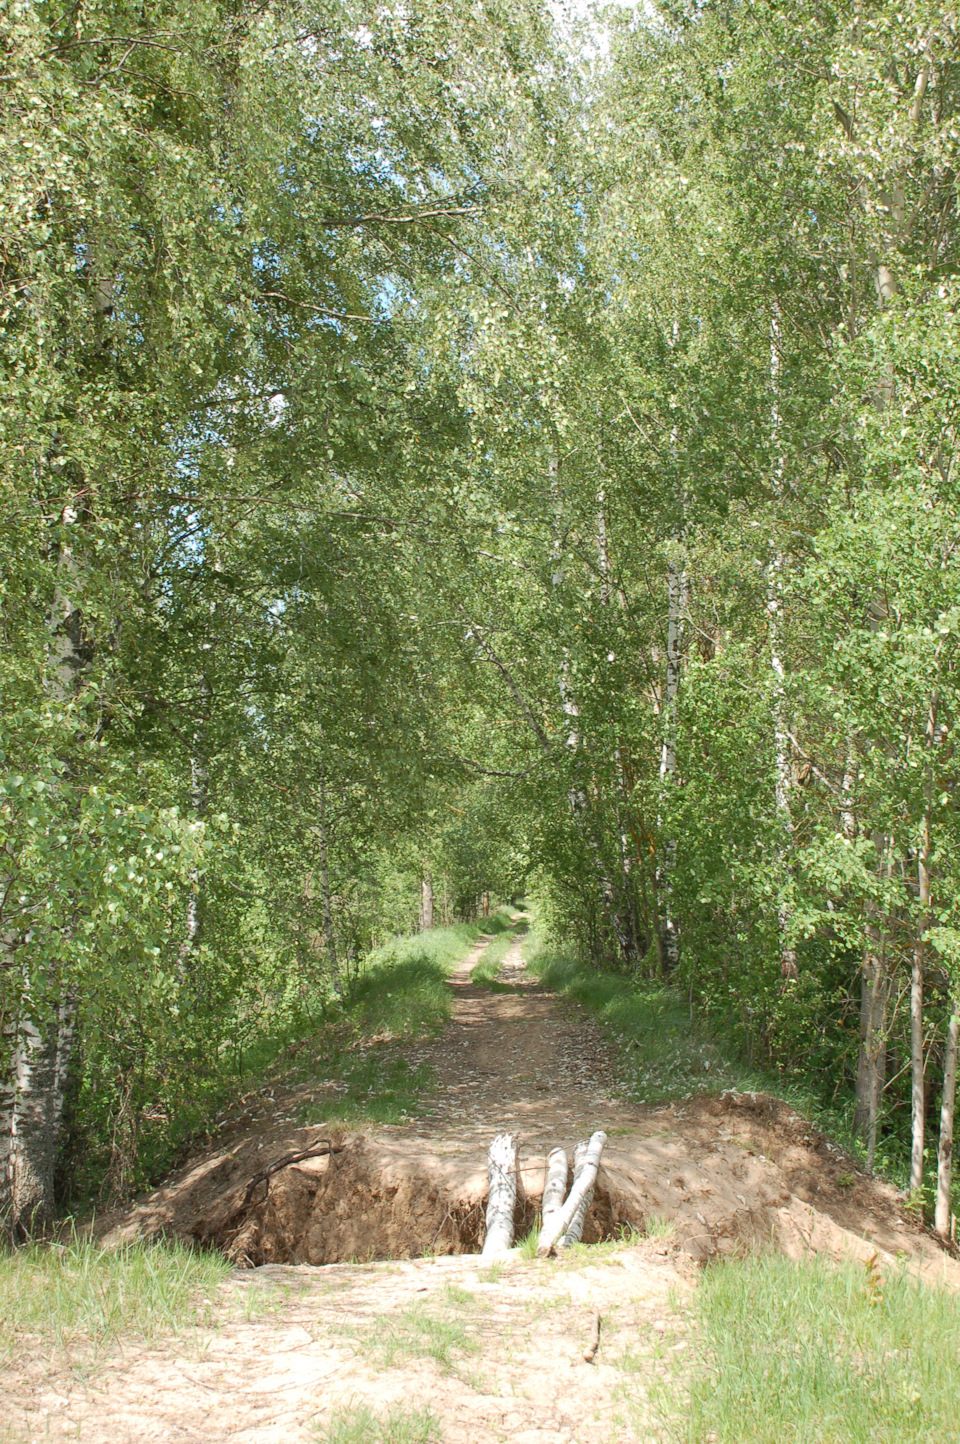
(360, 1425)
(77, 1294)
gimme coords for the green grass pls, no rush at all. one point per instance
(360, 1425)
(527, 1246)
(418, 1333)
(665, 1055)
(401, 995)
(60, 1296)
(812, 1353)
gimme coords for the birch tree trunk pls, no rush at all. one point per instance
(199, 780)
(917, 980)
(871, 1064)
(669, 934)
(561, 1220)
(918, 1101)
(941, 1221)
(502, 1196)
(41, 1032)
(426, 902)
(330, 937)
(788, 954)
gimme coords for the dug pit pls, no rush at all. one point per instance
(723, 1175)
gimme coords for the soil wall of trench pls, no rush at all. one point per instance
(731, 1175)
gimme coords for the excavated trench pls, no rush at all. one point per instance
(732, 1174)
(370, 1202)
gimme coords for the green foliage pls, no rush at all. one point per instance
(370, 432)
(816, 1352)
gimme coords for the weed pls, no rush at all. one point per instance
(527, 1247)
(360, 1425)
(78, 1293)
(657, 1227)
(493, 1273)
(454, 1294)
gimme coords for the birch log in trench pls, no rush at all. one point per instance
(502, 1197)
(560, 1222)
(574, 1231)
(555, 1187)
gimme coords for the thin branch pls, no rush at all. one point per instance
(320, 310)
(517, 695)
(388, 220)
(487, 771)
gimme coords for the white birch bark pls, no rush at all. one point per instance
(941, 1219)
(917, 980)
(574, 1229)
(571, 710)
(40, 1033)
(426, 902)
(555, 1186)
(199, 779)
(502, 1196)
(561, 1221)
(329, 935)
(676, 599)
(788, 955)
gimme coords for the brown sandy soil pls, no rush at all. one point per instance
(294, 1341)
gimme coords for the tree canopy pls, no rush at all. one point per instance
(454, 445)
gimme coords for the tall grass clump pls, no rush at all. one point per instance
(818, 1354)
(401, 994)
(78, 1294)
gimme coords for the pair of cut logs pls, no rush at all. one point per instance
(562, 1219)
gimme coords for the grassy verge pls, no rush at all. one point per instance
(662, 1054)
(665, 1055)
(819, 1354)
(491, 960)
(79, 1296)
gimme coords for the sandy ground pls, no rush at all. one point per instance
(496, 1352)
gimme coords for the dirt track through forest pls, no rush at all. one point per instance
(495, 1352)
